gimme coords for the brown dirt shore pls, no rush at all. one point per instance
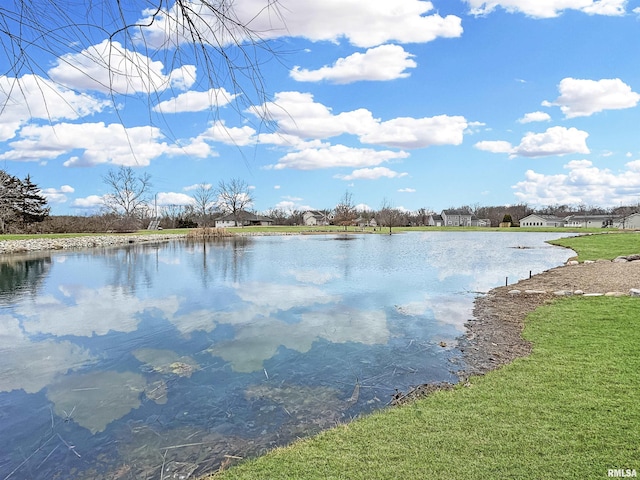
(494, 334)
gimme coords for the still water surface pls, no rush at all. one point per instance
(149, 361)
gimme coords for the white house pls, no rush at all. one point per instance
(535, 220)
(631, 222)
(589, 221)
(312, 218)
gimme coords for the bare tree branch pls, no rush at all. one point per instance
(234, 197)
(128, 192)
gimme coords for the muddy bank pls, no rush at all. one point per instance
(494, 334)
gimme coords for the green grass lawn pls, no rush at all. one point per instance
(609, 246)
(569, 410)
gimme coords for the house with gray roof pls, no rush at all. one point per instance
(536, 220)
(456, 218)
(244, 219)
(313, 218)
(589, 221)
(435, 220)
(631, 222)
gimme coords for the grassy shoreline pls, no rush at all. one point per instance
(313, 230)
(569, 410)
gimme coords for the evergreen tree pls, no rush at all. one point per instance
(32, 205)
(9, 195)
(20, 202)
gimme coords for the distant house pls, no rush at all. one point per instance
(589, 221)
(312, 218)
(631, 222)
(435, 220)
(456, 218)
(480, 222)
(366, 222)
(536, 220)
(245, 219)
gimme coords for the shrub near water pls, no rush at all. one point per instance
(570, 410)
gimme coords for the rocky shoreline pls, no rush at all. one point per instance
(88, 241)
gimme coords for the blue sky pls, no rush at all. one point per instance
(422, 104)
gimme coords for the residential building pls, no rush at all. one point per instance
(313, 218)
(456, 218)
(535, 220)
(631, 222)
(244, 219)
(480, 222)
(366, 222)
(589, 221)
(435, 220)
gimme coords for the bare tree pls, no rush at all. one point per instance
(114, 44)
(345, 211)
(388, 216)
(234, 197)
(129, 192)
(204, 199)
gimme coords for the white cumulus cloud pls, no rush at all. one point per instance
(298, 115)
(583, 183)
(90, 203)
(193, 101)
(494, 146)
(549, 8)
(371, 174)
(335, 156)
(109, 67)
(364, 23)
(386, 62)
(535, 117)
(57, 195)
(31, 97)
(582, 98)
(99, 143)
(417, 132)
(218, 131)
(554, 141)
(173, 198)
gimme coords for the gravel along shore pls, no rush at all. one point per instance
(493, 336)
(89, 241)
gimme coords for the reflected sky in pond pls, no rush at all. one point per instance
(129, 361)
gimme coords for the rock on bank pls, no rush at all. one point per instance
(90, 241)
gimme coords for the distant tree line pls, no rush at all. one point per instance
(130, 205)
(22, 206)
(205, 213)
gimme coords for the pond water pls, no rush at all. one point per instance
(155, 361)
